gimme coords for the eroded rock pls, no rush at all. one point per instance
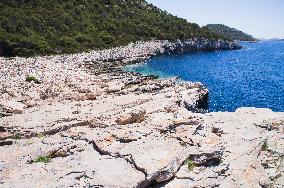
(134, 116)
(13, 107)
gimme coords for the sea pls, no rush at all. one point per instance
(250, 77)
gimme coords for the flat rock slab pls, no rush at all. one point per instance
(144, 154)
(12, 107)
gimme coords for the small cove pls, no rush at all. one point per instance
(251, 77)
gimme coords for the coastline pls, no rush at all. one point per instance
(85, 115)
(46, 69)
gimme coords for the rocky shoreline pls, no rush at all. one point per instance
(79, 121)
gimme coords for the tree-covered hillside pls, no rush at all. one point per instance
(230, 33)
(29, 27)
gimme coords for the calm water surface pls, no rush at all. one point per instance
(250, 77)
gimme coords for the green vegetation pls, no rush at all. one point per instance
(230, 33)
(190, 164)
(264, 146)
(40, 135)
(42, 159)
(32, 79)
(16, 136)
(29, 27)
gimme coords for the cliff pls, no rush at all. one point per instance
(199, 44)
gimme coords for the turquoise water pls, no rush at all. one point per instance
(251, 77)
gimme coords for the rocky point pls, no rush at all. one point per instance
(80, 121)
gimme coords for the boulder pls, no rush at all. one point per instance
(195, 99)
(13, 107)
(155, 85)
(115, 87)
(134, 116)
(91, 96)
(80, 96)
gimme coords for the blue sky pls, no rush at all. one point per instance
(260, 18)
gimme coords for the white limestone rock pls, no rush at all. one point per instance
(13, 107)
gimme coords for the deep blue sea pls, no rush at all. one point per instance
(251, 77)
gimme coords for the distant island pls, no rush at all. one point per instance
(230, 33)
(276, 39)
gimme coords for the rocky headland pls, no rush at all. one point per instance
(80, 121)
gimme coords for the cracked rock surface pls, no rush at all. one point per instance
(88, 124)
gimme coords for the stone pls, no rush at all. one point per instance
(29, 103)
(13, 107)
(91, 96)
(115, 87)
(134, 116)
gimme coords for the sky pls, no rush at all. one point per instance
(260, 18)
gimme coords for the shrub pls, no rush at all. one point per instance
(190, 164)
(264, 146)
(40, 135)
(42, 159)
(32, 79)
(16, 136)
